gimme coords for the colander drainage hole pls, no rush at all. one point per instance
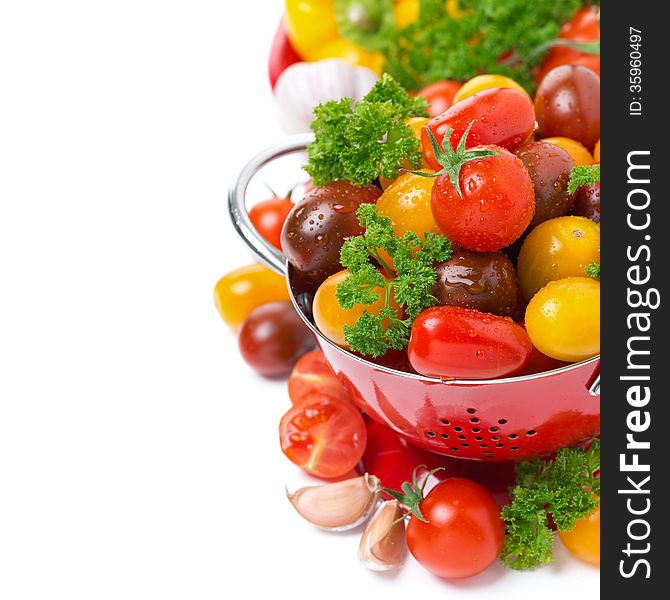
(495, 437)
(459, 429)
(502, 421)
(514, 448)
(531, 432)
(513, 436)
(430, 433)
(483, 445)
(455, 449)
(474, 420)
(479, 438)
(476, 430)
(444, 436)
(494, 429)
(465, 445)
(471, 411)
(445, 422)
(461, 437)
(499, 445)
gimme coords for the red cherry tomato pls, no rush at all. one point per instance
(497, 205)
(463, 534)
(323, 435)
(450, 341)
(268, 218)
(313, 374)
(582, 28)
(440, 96)
(282, 54)
(503, 117)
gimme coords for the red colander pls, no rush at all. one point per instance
(493, 419)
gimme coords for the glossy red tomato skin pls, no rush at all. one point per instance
(497, 206)
(464, 533)
(450, 341)
(567, 104)
(503, 117)
(440, 96)
(583, 27)
(312, 374)
(268, 218)
(273, 337)
(323, 435)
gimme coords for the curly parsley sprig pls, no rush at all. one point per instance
(362, 141)
(409, 281)
(566, 487)
(583, 175)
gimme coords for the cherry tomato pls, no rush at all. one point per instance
(567, 104)
(486, 82)
(282, 54)
(240, 291)
(596, 152)
(497, 205)
(313, 374)
(485, 281)
(587, 202)
(549, 168)
(407, 203)
(449, 341)
(331, 318)
(503, 117)
(320, 223)
(323, 435)
(273, 337)
(463, 534)
(584, 539)
(583, 27)
(556, 249)
(268, 218)
(563, 319)
(579, 154)
(440, 96)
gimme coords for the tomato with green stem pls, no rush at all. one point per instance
(323, 435)
(483, 198)
(455, 531)
(440, 96)
(499, 116)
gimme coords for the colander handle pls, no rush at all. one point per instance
(261, 248)
(594, 390)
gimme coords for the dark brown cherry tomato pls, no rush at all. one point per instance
(320, 223)
(503, 117)
(567, 104)
(587, 202)
(549, 168)
(485, 281)
(449, 341)
(273, 337)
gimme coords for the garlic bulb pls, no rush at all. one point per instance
(337, 506)
(383, 541)
(304, 85)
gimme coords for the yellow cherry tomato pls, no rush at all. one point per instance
(596, 152)
(240, 291)
(577, 151)
(331, 318)
(563, 319)
(486, 82)
(407, 203)
(558, 248)
(406, 12)
(584, 539)
(416, 124)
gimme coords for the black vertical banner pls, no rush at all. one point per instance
(635, 434)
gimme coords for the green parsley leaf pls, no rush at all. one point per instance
(592, 270)
(410, 281)
(566, 487)
(438, 46)
(362, 141)
(583, 175)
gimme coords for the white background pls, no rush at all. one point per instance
(138, 454)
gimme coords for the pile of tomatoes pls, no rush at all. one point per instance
(514, 297)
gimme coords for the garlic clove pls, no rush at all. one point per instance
(383, 542)
(337, 506)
